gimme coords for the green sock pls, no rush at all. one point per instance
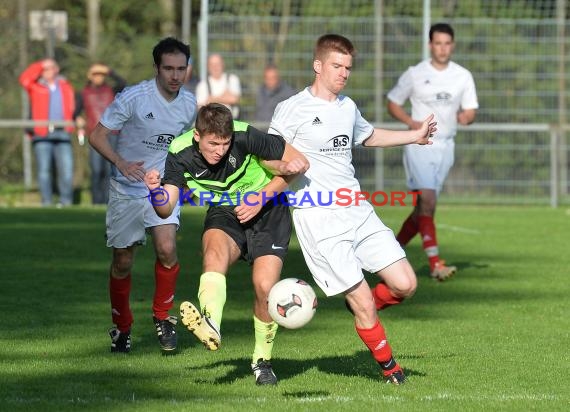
(212, 295)
(264, 337)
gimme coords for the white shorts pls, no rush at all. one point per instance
(427, 166)
(128, 218)
(339, 243)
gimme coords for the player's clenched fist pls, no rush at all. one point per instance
(152, 179)
(297, 165)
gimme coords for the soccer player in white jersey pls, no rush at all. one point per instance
(339, 241)
(147, 117)
(442, 87)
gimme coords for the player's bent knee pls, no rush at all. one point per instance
(404, 288)
(121, 264)
(120, 270)
(262, 289)
(166, 254)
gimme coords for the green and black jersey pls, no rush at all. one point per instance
(238, 173)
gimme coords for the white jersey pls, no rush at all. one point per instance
(441, 92)
(146, 123)
(325, 132)
(217, 87)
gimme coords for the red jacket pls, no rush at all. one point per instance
(38, 92)
(95, 101)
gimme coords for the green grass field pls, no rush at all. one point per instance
(495, 337)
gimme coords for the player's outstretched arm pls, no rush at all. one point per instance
(389, 138)
(162, 198)
(99, 140)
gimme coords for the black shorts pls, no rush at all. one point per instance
(268, 233)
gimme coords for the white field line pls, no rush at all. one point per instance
(458, 229)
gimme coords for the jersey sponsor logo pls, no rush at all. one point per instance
(149, 115)
(337, 146)
(163, 138)
(201, 173)
(340, 141)
(317, 121)
(443, 96)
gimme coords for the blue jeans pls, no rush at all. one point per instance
(56, 146)
(100, 175)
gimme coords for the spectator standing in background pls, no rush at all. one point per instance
(219, 86)
(51, 98)
(93, 100)
(271, 93)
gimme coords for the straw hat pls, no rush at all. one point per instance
(96, 69)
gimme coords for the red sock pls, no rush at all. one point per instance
(408, 230)
(375, 340)
(383, 297)
(119, 291)
(429, 241)
(165, 283)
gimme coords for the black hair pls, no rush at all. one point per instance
(169, 45)
(441, 28)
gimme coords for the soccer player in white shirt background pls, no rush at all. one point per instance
(147, 116)
(338, 242)
(447, 90)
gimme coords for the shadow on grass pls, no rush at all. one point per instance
(358, 365)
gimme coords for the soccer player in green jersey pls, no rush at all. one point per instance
(221, 160)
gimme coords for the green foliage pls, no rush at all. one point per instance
(491, 338)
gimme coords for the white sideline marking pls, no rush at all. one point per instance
(502, 397)
(458, 229)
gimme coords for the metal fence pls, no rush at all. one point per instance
(516, 152)
(517, 51)
(525, 168)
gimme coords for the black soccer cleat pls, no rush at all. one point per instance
(120, 341)
(392, 372)
(263, 373)
(397, 377)
(165, 329)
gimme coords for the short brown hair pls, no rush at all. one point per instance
(215, 118)
(332, 43)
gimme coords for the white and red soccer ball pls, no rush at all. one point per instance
(292, 303)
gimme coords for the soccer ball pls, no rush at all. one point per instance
(292, 303)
